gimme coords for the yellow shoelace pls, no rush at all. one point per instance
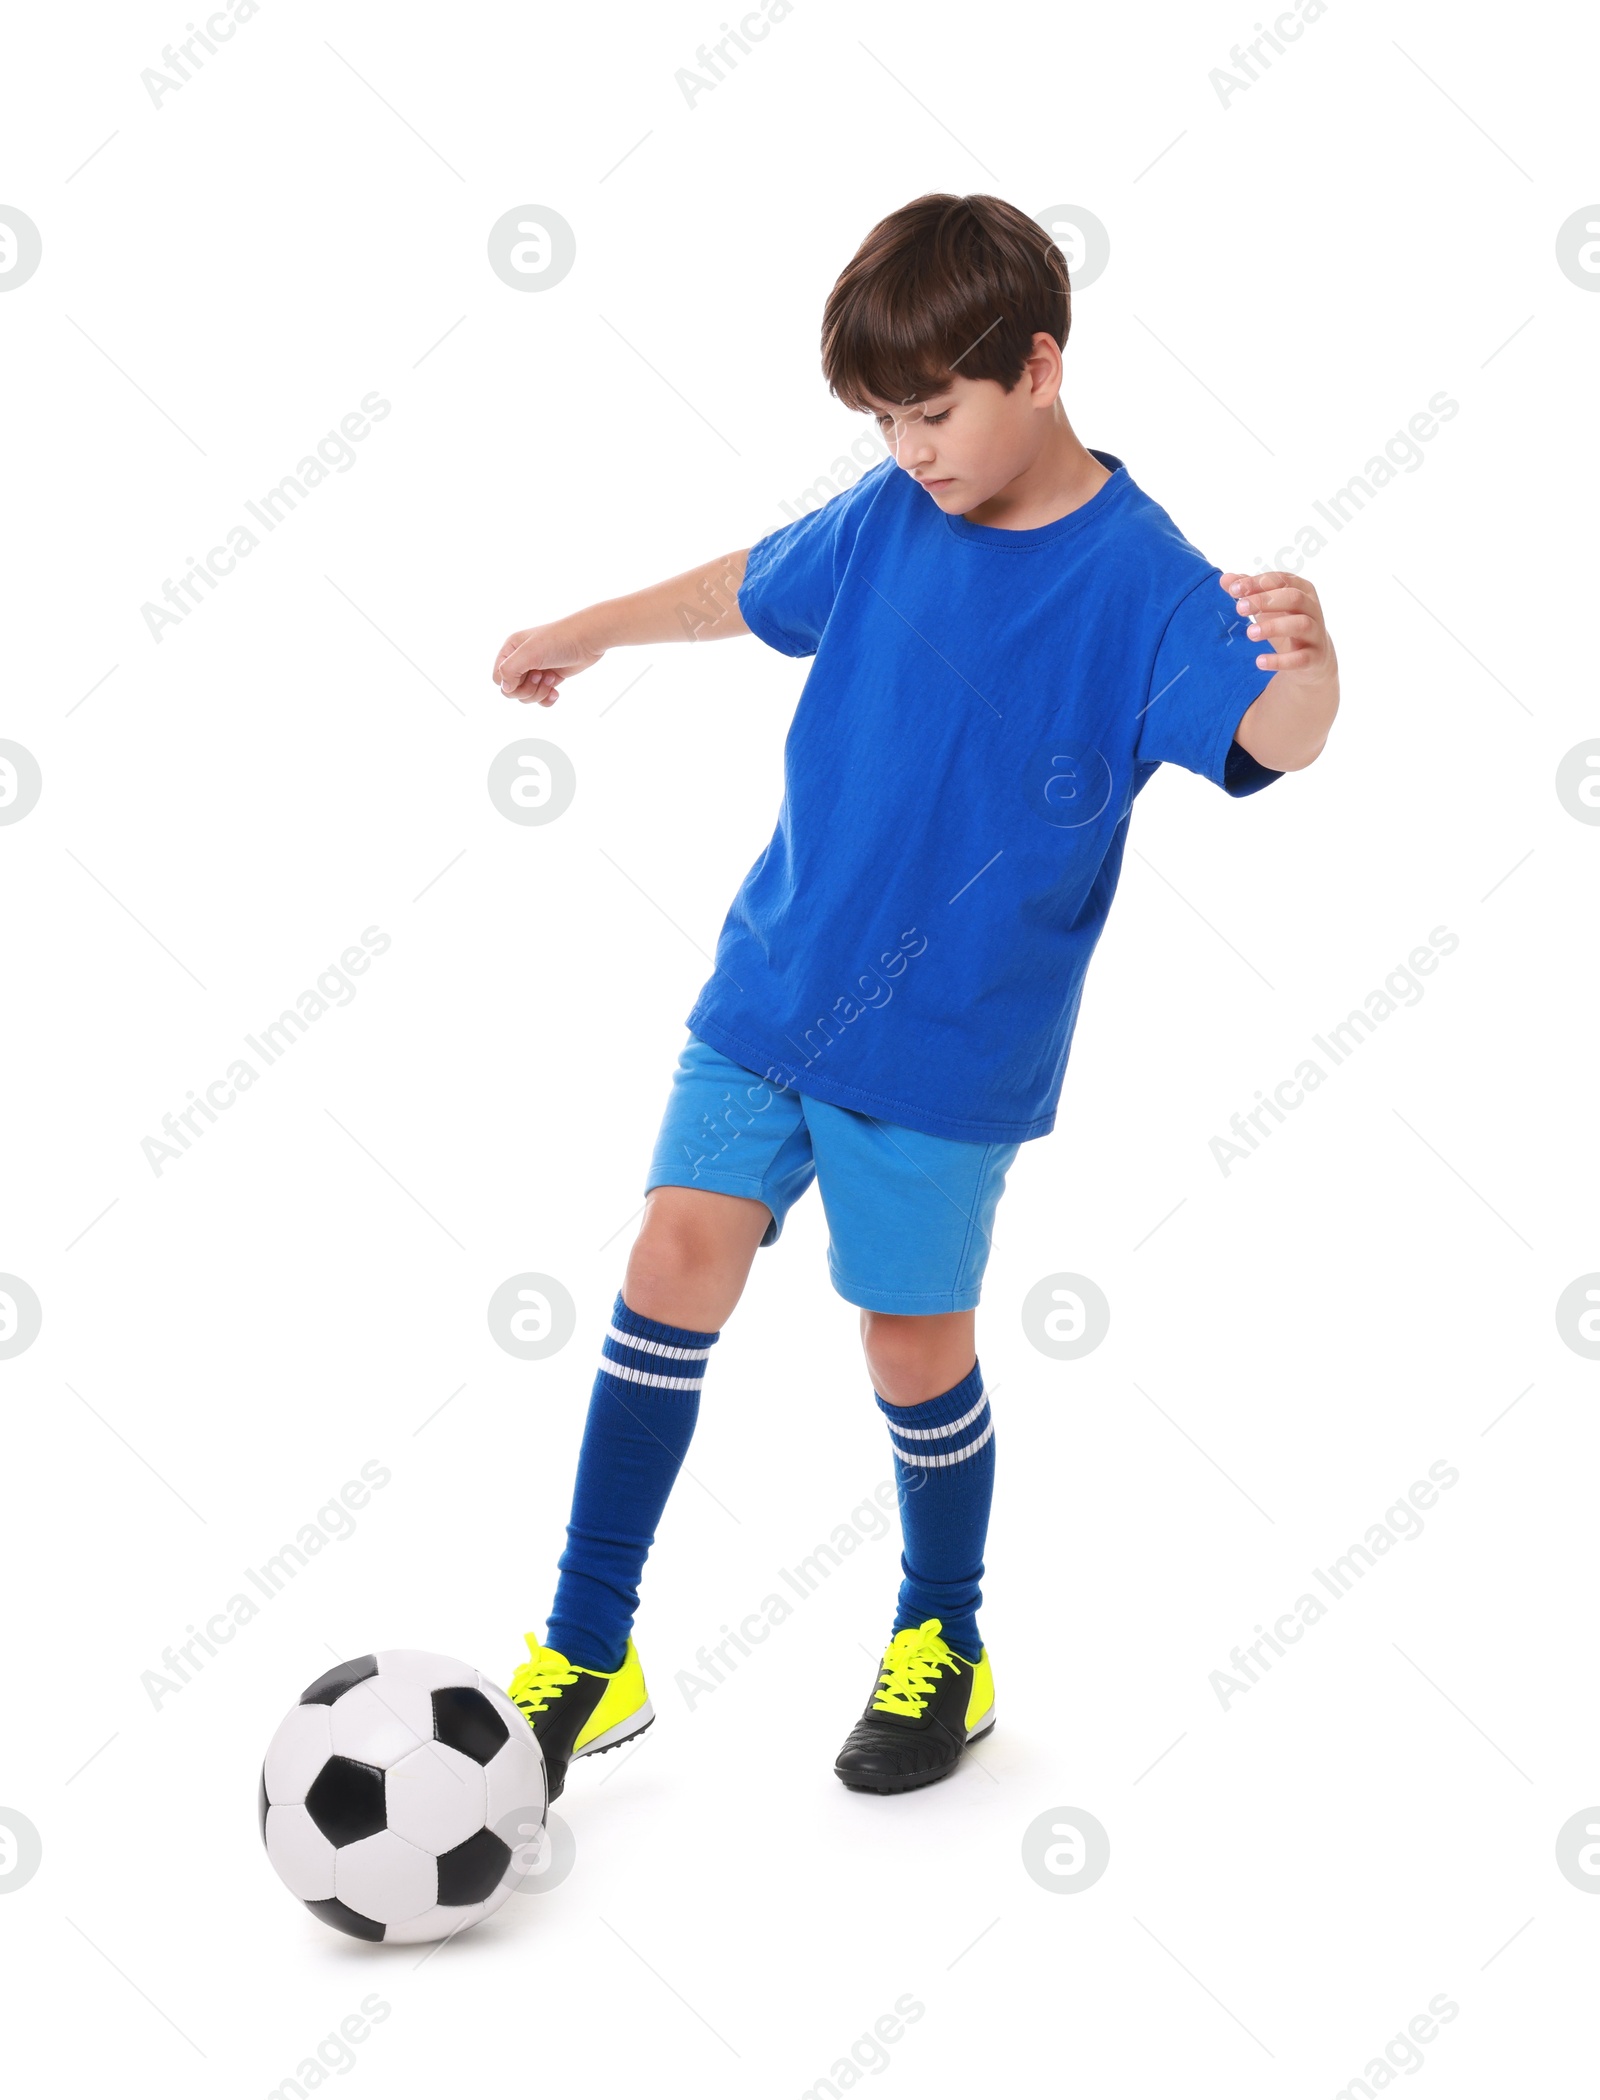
(540, 1678)
(911, 1665)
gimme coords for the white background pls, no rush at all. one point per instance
(1292, 277)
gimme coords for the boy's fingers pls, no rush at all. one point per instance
(509, 647)
(520, 668)
(1240, 583)
(540, 685)
(1254, 604)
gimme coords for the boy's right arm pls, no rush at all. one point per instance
(702, 605)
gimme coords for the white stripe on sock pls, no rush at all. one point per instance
(649, 1348)
(613, 1369)
(945, 1458)
(949, 1428)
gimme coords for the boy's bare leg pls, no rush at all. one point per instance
(916, 1356)
(692, 1257)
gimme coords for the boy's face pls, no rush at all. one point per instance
(972, 439)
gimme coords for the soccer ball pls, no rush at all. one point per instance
(397, 1793)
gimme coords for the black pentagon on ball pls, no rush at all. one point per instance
(339, 1679)
(345, 1801)
(464, 1719)
(474, 1870)
(332, 1912)
(262, 1804)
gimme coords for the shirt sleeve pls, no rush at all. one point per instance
(792, 576)
(1205, 678)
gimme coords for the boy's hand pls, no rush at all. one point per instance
(1287, 724)
(1283, 610)
(533, 662)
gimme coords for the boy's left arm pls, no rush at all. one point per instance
(1287, 725)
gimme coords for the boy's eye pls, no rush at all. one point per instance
(942, 417)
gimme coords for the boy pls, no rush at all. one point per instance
(1009, 637)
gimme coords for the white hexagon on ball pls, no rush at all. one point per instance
(515, 1777)
(435, 1797)
(302, 1855)
(385, 1878)
(380, 1721)
(432, 1673)
(298, 1752)
(443, 1920)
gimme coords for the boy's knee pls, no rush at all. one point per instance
(884, 1331)
(902, 1346)
(691, 1256)
(668, 1252)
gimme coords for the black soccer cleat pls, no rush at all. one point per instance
(928, 1705)
(575, 1712)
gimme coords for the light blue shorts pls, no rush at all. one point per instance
(909, 1215)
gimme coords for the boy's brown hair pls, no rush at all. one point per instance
(945, 286)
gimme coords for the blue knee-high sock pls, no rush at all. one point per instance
(641, 1417)
(944, 1477)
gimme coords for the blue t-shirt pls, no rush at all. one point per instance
(983, 707)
